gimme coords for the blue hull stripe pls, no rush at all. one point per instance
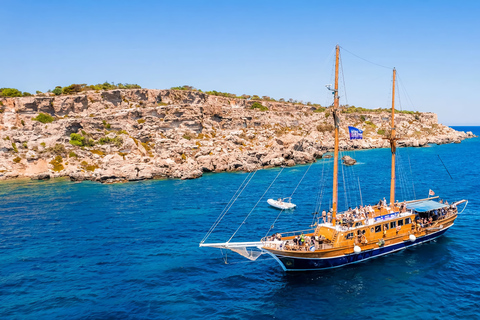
(305, 264)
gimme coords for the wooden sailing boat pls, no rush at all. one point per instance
(350, 237)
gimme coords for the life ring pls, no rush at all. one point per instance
(398, 228)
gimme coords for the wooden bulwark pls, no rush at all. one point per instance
(372, 240)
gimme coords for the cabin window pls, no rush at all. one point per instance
(393, 224)
(378, 228)
(385, 226)
(371, 229)
(400, 222)
(349, 236)
(358, 224)
(408, 220)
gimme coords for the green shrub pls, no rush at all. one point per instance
(81, 141)
(43, 144)
(117, 141)
(22, 122)
(140, 121)
(72, 155)
(14, 146)
(320, 109)
(44, 118)
(258, 105)
(187, 136)
(17, 159)
(381, 132)
(106, 125)
(24, 145)
(10, 92)
(57, 91)
(184, 87)
(73, 88)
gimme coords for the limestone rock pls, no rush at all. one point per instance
(41, 176)
(139, 134)
(348, 161)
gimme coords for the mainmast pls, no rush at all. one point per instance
(337, 124)
(393, 144)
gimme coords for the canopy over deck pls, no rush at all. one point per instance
(424, 206)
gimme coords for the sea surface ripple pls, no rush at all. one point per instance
(131, 251)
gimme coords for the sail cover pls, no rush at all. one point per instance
(355, 133)
(424, 206)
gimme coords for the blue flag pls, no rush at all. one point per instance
(355, 133)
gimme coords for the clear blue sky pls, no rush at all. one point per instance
(283, 49)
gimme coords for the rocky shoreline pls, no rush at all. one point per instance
(136, 134)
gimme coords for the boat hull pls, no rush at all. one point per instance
(289, 263)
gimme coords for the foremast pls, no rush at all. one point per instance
(393, 144)
(337, 125)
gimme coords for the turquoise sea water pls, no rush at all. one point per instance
(130, 251)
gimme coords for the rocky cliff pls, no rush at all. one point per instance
(125, 135)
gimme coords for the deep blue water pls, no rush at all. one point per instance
(130, 251)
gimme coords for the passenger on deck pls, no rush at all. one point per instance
(324, 216)
(329, 216)
(384, 202)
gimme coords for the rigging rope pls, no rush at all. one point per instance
(359, 189)
(278, 216)
(230, 204)
(445, 166)
(301, 180)
(411, 174)
(343, 49)
(343, 79)
(243, 222)
(404, 89)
